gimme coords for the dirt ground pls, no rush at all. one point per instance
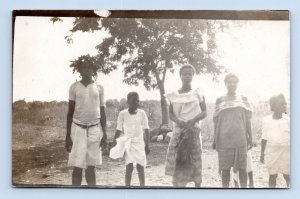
(39, 159)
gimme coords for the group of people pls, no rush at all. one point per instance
(86, 133)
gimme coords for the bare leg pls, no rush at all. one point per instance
(243, 178)
(287, 179)
(272, 181)
(236, 184)
(225, 178)
(90, 175)
(235, 180)
(77, 176)
(178, 184)
(141, 174)
(175, 184)
(250, 176)
(129, 169)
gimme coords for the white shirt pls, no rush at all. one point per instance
(276, 131)
(132, 125)
(87, 102)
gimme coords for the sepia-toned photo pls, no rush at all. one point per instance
(151, 99)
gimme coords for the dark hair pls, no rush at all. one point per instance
(132, 94)
(230, 75)
(274, 100)
(186, 66)
(82, 62)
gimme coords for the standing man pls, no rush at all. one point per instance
(86, 123)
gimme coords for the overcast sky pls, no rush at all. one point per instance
(257, 51)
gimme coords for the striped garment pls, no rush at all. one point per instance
(232, 114)
(225, 103)
(188, 167)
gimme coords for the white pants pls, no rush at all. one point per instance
(85, 150)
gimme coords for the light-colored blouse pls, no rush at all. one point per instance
(186, 105)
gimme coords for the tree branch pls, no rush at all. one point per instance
(157, 41)
(162, 33)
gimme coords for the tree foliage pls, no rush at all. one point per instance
(146, 49)
(82, 61)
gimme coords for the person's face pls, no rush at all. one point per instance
(280, 106)
(187, 75)
(133, 102)
(231, 85)
(86, 71)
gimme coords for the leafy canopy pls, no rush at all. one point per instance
(147, 48)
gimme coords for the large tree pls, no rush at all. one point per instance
(147, 49)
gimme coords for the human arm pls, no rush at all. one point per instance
(262, 152)
(103, 142)
(215, 130)
(145, 126)
(200, 116)
(249, 131)
(68, 140)
(103, 125)
(117, 135)
(215, 121)
(120, 122)
(264, 138)
(147, 140)
(173, 118)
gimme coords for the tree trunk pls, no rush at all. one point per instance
(163, 101)
(164, 105)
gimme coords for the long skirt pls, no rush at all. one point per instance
(184, 161)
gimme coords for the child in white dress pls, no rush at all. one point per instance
(133, 122)
(275, 145)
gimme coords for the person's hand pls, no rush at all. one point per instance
(114, 143)
(262, 158)
(214, 145)
(181, 123)
(249, 144)
(103, 142)
(147, 149)
(190, 123)
(68, 144)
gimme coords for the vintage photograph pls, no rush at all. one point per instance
(151, 99)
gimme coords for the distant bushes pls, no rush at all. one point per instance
(37, 112)
(54, 114)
